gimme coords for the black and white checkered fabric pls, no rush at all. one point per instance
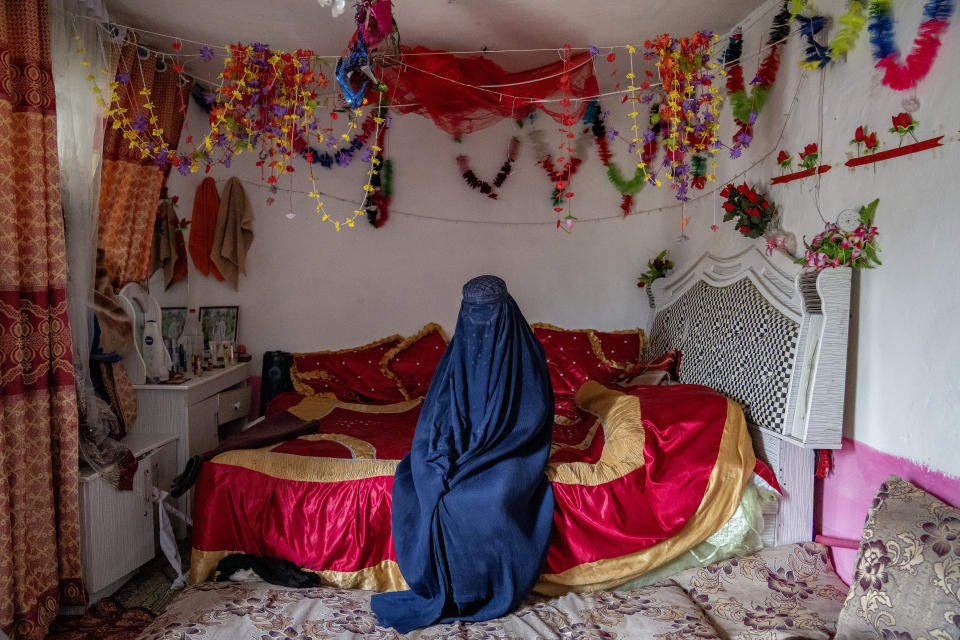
(734, 341)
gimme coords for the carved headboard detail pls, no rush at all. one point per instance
(771, 338)
(775, 340)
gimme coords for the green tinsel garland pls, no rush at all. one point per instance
(386, 178)
(624, 187)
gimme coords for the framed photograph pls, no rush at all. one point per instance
(219, 323)
(171, 322)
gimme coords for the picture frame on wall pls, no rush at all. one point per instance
(171, 322)
(219, 323)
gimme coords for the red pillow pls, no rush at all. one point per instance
(412, 362)
(575, 356)
(624, 348)
(353, 375)
(669, 362)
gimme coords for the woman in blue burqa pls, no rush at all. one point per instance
(472, 507)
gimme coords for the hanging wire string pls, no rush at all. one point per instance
(406, 65)
(492, 89)
(816, 187)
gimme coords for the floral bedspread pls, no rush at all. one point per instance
(786, 592)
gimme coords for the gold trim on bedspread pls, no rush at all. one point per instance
(623, 438)
(320, 405)
(735, 463)
(287, 466)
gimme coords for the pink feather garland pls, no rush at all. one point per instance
(900, 77)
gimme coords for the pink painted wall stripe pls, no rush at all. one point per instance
(845, 496)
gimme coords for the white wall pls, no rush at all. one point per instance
(309, 287)
(904, 395)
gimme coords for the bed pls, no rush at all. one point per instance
(643, 474)
(906, 585)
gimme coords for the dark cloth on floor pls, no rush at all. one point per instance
(272, 570)
(472, 507)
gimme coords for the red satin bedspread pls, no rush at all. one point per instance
(323, 501)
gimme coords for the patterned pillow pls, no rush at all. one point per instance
(575, 356)
(353, 375)
(907, 581)
(411, 363)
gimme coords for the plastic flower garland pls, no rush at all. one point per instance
(835, 247)
(657, 268)
(690, 103)
(745, 107)
(817, 55)
(852, 23)
(483, 186)
(627, 188)
(751, 211)
(898, 75)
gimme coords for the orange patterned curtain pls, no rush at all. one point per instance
(39, 521)
(130, 184)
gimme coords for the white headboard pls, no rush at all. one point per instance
(773, 338)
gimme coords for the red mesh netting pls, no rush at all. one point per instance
(459, 109)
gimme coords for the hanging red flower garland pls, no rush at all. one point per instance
(745, 107)
(483, 186)
(571, 164)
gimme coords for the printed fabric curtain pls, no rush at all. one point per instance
(130, 184)
(39, 520)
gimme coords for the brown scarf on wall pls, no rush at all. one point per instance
(234, 232)
(167, 251)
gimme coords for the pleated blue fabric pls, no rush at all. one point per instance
(472, 507)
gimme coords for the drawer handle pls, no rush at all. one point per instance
(236, 405)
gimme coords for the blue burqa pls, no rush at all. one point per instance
(472, 507)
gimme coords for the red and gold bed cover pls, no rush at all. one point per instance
(651, 473)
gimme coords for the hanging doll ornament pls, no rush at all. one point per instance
(898, 75)
(351, 73)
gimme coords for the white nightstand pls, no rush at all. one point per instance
(118, 529)
(193, 411)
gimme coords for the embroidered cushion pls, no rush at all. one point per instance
(411, 363)
(353, 375)
(575, 356)
(907, 581)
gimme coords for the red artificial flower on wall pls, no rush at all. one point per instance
(858, 135)
(903, 120)
(870, 141)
